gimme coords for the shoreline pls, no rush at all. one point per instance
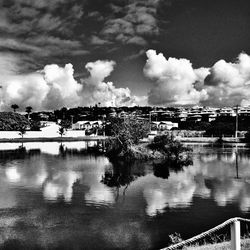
(54, 139)
(198, 140)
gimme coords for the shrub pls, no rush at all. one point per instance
(221, 128)
(12, 121)
(125, 134)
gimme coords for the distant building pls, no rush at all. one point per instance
(86, 125)
(227, 112)
(244, 111)
(164, 125)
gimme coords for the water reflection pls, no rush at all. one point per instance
(120, 174)
(51, 148)
(228, 177)
(73, 191)
(60, 185)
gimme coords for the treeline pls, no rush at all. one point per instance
(222, 126)
(10, 121)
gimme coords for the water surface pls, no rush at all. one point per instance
(63, 196)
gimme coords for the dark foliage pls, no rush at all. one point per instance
(61, 131)
(66, 124)
(192, 125)
(121, 174)
(168, 146)
(163, 168)
(22, 130)
(247, 137)
(12, 121)
(125, 134)
(220, 128)
(35, 125)
(14, 107)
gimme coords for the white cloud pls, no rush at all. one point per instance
(228, 83)
(55, 87)
(95, 90)
(177, 82)
(174, 80)
(62, 84)
(52, 88)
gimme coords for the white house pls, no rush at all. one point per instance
(82, 125)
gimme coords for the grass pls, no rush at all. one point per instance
(245, 245)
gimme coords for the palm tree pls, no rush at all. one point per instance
(14, 107)
(28, 110)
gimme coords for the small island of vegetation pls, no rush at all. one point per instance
(129, 141)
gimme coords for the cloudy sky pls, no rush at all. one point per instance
(124, 52)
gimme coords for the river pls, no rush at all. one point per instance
(66, 196)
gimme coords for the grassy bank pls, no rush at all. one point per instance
(245, 245)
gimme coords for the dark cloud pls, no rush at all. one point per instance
(133, 23)
(39, 31)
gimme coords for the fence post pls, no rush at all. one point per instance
(235, 235)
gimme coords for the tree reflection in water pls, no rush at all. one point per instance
(163, 168)
(121, 173)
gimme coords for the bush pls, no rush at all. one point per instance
(220, 129)
(125, 134)
(35, 125)
(168, 146)
(247, 137)
(10, 121)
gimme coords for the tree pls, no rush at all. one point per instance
(28, 110)
(61, 131)
(35, 125)
(220, 129)
(169, 147)
(125, 134)
(14, 107)
(22, 130)
(10, 121)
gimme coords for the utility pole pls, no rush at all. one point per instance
(72, 121)
(236, 122)
(149, 121)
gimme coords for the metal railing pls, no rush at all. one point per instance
(235, 234)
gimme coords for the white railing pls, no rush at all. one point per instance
(235, 234)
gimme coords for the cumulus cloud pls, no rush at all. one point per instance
(62, 85)
(55, 87)
(51, 88)
(228, 83)
(177, 82)
(95, 90)
(174, 80)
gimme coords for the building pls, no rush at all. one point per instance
(164, 125)
(86, 125)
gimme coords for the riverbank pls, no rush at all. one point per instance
(14, 136)
(54, 139)
(209, 139)
(48, 134)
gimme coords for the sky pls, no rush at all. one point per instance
(124, 52)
